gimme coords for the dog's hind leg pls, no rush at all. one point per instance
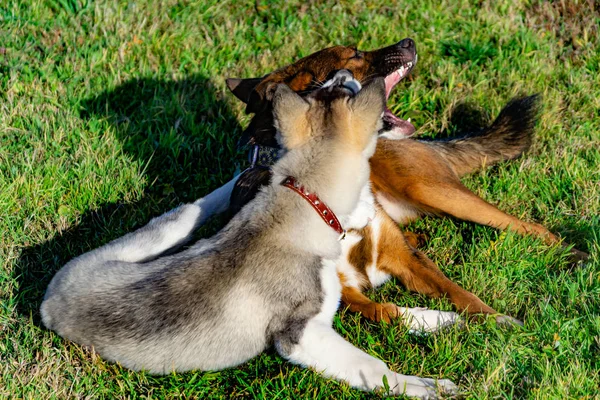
(458, 201)
(166, 232)
(418, 273)
(323, 349)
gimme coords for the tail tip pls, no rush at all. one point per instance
(520, 115)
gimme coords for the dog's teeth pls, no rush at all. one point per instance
(408, 120)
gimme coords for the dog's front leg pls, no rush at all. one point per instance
(318, 346)
(216, 202)
(166, 232)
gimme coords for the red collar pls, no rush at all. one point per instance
(324, 212)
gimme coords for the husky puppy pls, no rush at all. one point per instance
(260, 281)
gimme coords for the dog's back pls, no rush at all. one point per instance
(185, 310)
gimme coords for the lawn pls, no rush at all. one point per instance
(114, 112)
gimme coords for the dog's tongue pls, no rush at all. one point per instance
(399, 125)
(392, 80)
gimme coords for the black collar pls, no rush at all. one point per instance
(263, 156)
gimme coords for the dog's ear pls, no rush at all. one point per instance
(369, 103)
(242, 88)
(291, 119)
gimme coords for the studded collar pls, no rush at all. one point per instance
(320, 207)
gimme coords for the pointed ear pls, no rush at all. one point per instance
(242, 88)
(290, 112)
(369, 103)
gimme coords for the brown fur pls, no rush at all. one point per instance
(423, 176)
(399, 258)
(418, 273)
(307, 74)
(361, 254)
(412, 173)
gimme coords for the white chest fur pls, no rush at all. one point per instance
(364, 211)
(332, 292)
(330, 283)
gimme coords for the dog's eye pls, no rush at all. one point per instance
(357, 54)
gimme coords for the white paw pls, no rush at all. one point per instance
(370, 377)
(423, 388)
(421, 320)
(508, 321)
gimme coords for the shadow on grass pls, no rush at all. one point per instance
(183, 134)
(580, 233)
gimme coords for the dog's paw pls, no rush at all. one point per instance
(578, 256)
(508, 321)
(421, 320)
(381, 312)
(423, 388)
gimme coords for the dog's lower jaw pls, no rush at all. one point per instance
(394, 127)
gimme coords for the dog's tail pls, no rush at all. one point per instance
(508, 137)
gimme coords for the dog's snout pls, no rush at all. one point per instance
(407, 43)
(342, 76)
(343, 79)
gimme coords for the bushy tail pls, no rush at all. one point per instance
(508, 137)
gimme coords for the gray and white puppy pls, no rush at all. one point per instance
(260, 281)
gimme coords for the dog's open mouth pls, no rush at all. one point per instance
(391, 123)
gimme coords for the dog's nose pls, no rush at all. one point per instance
(342, 76)
(407, 43)
(345, 78)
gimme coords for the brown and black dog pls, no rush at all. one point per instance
(409, 177)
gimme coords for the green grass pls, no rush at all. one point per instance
(114, 112)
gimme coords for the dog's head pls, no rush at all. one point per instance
(392, 63)
(340, 111)
(329, 135)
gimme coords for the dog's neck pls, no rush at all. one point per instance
(338, 182)
(343, 193)
(263, 156)
(320, 207)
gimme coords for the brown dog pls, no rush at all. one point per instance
(409, 177)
